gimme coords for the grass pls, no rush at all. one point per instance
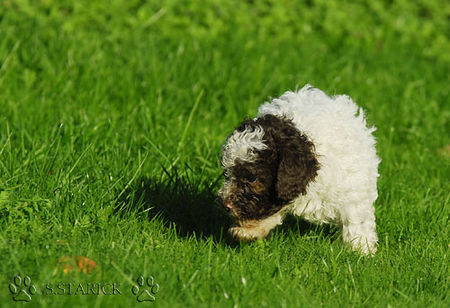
(111, 124)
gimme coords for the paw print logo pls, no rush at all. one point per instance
(22, 289)
(145, 289)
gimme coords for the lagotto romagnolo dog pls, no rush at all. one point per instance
(305, 154)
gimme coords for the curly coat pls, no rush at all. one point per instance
(306, 154)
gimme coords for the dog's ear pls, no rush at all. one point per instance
(298, 164)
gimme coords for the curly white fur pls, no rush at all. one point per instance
(345, 188)
(241, 145)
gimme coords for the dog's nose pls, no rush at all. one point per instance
(228, 204)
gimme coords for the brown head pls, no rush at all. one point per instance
(267, 163)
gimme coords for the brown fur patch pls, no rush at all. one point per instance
(278, 175)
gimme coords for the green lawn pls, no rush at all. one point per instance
(112, 116)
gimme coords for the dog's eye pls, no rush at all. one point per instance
(252, 179)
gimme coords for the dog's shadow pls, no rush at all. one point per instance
(182, 202)
(191, 208)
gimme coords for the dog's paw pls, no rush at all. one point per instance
(241, 234)
(361, 237)
(364, 247)
(248, 234)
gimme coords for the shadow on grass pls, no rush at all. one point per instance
(182, 202)
(190, 206)
(297, 227)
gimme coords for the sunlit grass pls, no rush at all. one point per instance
(112, 118)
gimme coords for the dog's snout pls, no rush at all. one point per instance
(228, 204)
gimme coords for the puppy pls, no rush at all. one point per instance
(305, 154)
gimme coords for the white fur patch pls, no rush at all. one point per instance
(242, 146)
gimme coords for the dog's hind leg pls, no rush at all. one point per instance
(359, 230)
